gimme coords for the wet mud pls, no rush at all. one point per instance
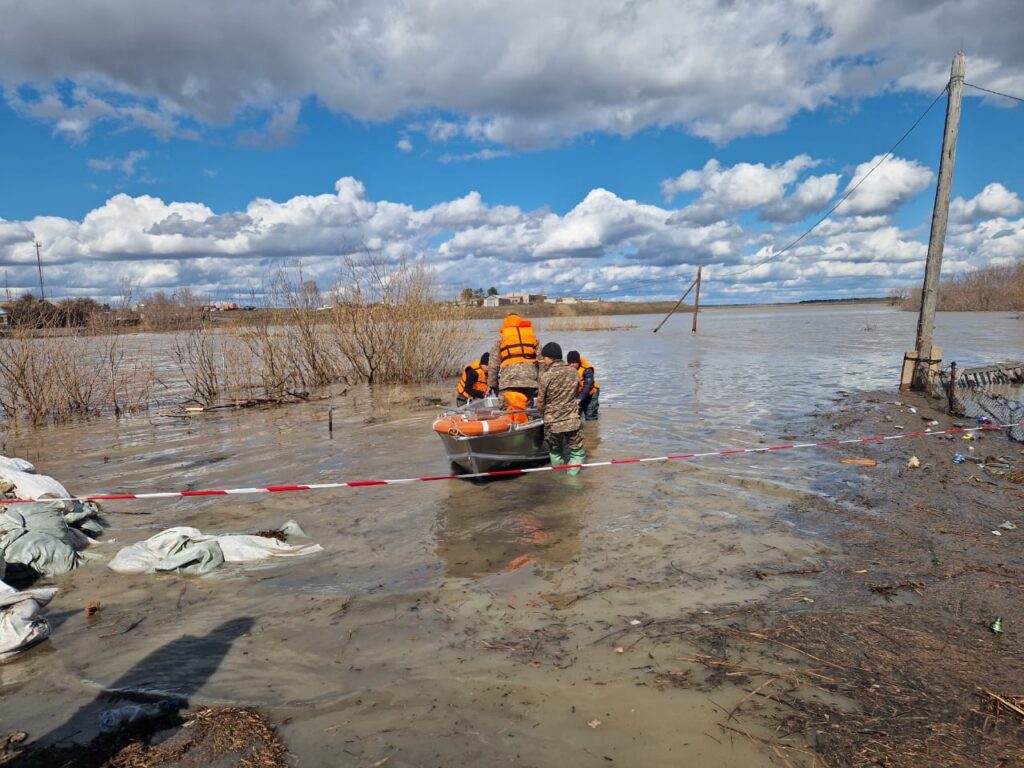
(634, 615)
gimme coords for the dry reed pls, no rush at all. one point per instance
(983, 290)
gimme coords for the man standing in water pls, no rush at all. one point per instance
(514, 359)
(556, 400)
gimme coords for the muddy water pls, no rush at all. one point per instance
(452, 623)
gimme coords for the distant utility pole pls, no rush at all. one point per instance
(696, 300)
(924, 373)
(39, 263)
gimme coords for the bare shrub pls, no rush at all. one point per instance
(983, 290)
(388, 327)
(47, 375)
(200, 362)
(312, 355)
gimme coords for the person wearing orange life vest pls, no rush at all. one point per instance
(588, 392)
(473, 381)
(514, 358)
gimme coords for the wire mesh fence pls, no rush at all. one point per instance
(993, 392)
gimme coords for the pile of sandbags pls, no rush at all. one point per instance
(21, 625)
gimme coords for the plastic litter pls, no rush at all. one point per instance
(913, 409)
(1008, 526)
(913, 462)
(114, 720)
(997, 625)
(958, 459)
(937, 560)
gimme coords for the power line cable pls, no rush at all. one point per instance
(994, 93)
(850, 191)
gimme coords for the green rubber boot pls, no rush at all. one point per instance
(557, 459)
(576, 457)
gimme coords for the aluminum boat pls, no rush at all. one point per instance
(481, 437)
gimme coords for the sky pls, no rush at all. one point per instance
(590, 149)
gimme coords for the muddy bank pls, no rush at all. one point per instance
(885, 653)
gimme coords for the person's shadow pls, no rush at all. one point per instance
(170, 675)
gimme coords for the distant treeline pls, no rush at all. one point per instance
(984, 290)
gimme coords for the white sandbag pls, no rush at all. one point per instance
(33, 486)
(19, 465)
(20, 623)
(173, 546)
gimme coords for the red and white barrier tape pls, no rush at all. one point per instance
(512, 472)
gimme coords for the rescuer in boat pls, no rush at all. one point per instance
(588, 392)
(556, 400)
(513, 367)
(473, 381)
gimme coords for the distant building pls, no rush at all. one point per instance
(496, 301)
(526, 298)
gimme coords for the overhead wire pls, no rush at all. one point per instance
(994, 93)
(850, 191)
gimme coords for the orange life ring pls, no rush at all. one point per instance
(456, 424)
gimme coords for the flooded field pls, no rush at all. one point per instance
(457, 623)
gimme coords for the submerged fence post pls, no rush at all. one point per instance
(951, 394)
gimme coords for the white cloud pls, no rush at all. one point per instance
(737, 188)
(894, 182)
(810, 196)
(126, 164)
(519, 75)
(605, 245)
(404, 144)
(994, 200)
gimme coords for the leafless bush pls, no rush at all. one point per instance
(200, 361)
(46, 375)
(388, 327)
(312, 355)
(983, 290)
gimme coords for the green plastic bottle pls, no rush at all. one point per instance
(997, 625)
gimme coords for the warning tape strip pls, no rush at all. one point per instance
(512, 472)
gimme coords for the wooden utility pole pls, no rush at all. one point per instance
(665, 320)
(924, 368)
(696, 300)
(39, 263)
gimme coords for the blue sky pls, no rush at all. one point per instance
(600, 150)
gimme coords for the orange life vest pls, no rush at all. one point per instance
(518, 342)
(516, 403)
(584, 365)
(479, 388)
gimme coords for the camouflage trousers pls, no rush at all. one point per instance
(571, 441)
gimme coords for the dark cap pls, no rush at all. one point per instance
(572, 357)
(552, 350)
(485, 358)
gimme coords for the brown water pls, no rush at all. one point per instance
(453, 623)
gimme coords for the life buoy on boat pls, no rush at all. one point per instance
(456, 424)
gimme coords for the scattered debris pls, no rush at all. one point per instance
(859, 462)
(93, 608)
(913, 462)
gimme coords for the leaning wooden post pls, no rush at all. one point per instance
(925, 367)
(696, 301)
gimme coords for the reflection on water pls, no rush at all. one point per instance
(398, 620)
(509, 525)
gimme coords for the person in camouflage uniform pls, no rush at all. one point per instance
(556, 400)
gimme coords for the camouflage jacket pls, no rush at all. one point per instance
(515, 375)
(556, 398)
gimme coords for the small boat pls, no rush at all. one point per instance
(481, 437)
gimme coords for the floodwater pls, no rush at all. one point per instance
(457, 623)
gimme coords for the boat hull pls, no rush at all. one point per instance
(523, 445)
